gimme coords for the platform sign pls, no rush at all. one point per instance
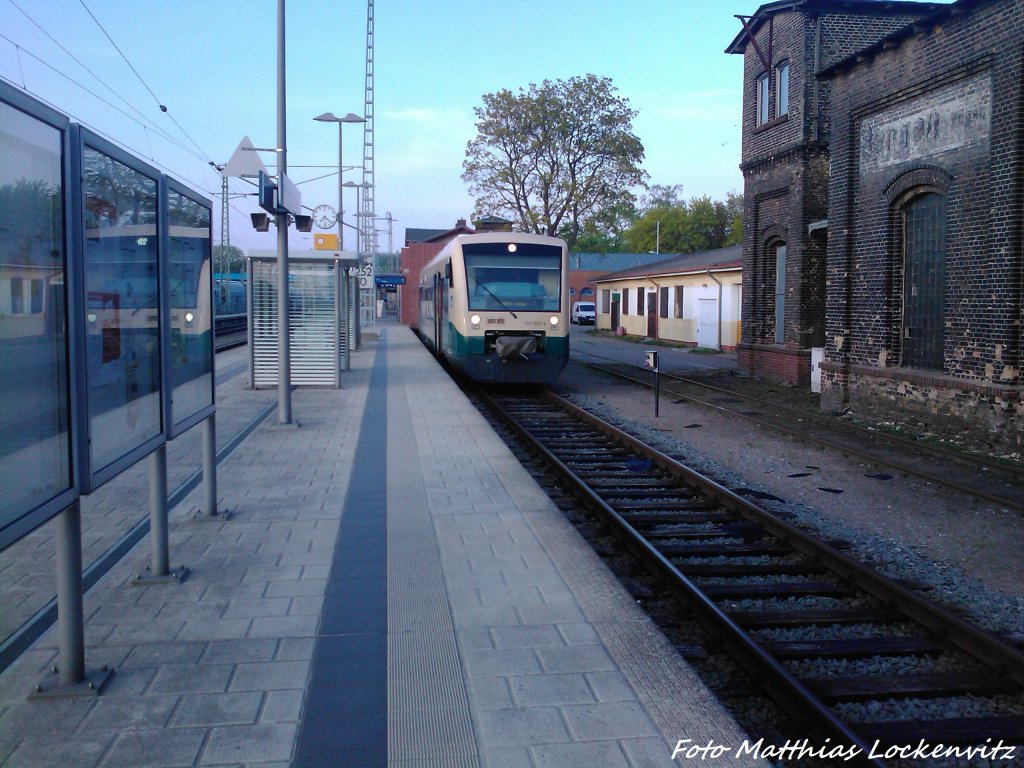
(325, 241)
(651, 360)
(364, 277)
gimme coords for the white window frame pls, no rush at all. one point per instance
(782, 89)
(761, 100)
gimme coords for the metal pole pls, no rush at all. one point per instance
(345, 313)
(284, 372)
(657, 390)
(158, 512)
(341, 169)
(208, 511)
(70, 624)
(339, 347)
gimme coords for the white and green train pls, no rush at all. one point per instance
(496, 306)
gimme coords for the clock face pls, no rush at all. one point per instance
(324, 216)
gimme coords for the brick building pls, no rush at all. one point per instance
(785, 164)
(421, 245)
(925, 209)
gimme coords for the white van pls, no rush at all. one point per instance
(583, 313)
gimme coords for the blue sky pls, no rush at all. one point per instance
(213, 64)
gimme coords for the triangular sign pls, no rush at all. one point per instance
(245, 162)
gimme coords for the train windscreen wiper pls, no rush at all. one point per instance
(502, 303)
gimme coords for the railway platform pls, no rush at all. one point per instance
(392, 588)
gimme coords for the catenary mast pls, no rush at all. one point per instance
(367, 229)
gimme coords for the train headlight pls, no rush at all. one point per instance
(189, 317)
(475, 320)
(553, 320)
(511, 247)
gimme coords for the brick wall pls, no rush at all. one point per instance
(412, 259)
(785, 164)
(941, 110)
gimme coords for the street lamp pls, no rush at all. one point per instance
(329, 117)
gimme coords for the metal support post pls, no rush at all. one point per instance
(284, 369)
(72, 680)
(159, 569)
(346, 282)
(208, 512)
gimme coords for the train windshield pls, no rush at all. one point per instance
(528, 279)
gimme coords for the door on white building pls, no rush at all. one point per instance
(707, 323)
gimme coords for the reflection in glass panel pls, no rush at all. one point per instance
(34, 445)
(191, 318)
(122, 307)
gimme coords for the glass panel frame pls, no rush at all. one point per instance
(24, 509)
(190, 387)
(121, 272)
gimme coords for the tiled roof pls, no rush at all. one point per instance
(610, 262)
(730, 257)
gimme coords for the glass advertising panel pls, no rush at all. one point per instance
(191, 313)
(122, 307)
(35, 446)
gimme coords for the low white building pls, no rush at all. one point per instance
(693, 299)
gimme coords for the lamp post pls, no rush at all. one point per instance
(329, 117)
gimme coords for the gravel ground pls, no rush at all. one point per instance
(968, 551)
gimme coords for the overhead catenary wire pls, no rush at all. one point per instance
(93, 93)
(145, 85)
(78, 61)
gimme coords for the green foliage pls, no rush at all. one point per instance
(603, 232)
(229, 259)
(670, 225)
(553, 156)
(30, 220)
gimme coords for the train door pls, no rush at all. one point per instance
(438, 282)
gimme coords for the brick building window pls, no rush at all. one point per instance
(778, 249)
(762, 99)
(924, 280)
(782, 89)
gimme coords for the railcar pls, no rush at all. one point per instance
(496, 306)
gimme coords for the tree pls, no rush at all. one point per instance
(552, 156)
(228, 259)
(603, 231)
(673, 226)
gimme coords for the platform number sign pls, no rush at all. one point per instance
(365, 277)
(651, 360)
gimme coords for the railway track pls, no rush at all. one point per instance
(230, 331)
(993, 480)
(845, 651)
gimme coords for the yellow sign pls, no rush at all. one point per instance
(323, 241)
